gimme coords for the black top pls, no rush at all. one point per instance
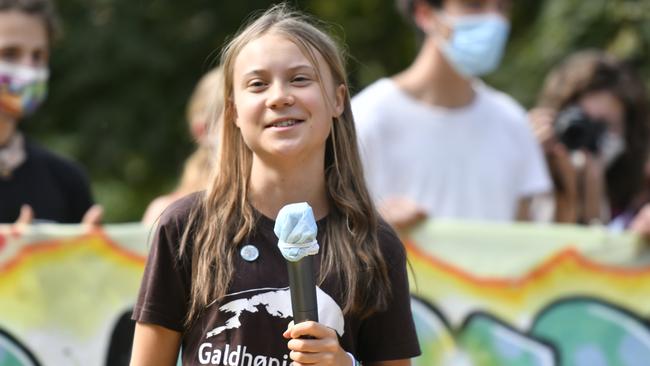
(246, 328)
(57, 189)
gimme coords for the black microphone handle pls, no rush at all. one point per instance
(303, 290)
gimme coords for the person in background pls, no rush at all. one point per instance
(36, 185)
(215, 279)
(438, 142)
(640, 223)
(592, 121)
(204, 105)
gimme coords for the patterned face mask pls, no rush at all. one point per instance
(22, 89)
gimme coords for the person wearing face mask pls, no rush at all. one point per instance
(592, 120)
(35, 184)
(438, 142)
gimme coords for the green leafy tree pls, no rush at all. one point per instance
(123, 72)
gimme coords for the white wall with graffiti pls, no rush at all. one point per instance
(482, 294)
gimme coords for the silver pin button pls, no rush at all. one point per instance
(249, 252)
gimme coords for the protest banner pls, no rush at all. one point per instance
(483, 294)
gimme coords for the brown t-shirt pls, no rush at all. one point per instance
(246, 327)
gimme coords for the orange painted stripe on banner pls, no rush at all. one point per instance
(133, 256)
(546, 267)
(51, 246)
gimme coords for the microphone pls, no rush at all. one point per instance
(296, 230)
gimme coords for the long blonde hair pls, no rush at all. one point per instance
(225, 216)
(204, 107)
(205, 104)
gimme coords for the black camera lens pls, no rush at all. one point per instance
(575, 130)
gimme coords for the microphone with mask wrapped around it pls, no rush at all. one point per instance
(296, 230)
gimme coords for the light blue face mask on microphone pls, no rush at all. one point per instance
(296, 230)
(477, 43)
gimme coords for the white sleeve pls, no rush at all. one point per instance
(366, 123)
(535, 178)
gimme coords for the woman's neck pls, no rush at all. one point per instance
(7, 129)
(272, 188)
(432, 80)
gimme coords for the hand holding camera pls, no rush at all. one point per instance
(574, 146)
(577, 131)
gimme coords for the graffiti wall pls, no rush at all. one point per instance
(482, 295)
(529, 295)
(65, 294)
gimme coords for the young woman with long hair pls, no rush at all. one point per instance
(215, 280)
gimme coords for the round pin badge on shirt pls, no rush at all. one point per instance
(249, 252)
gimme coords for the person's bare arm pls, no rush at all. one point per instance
(154, 345)
(523, 209)
(641, 223)
(401, 213)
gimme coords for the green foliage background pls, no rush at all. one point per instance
(123, 71)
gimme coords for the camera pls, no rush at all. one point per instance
(575, 130)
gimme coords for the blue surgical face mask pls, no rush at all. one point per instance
(476, 44)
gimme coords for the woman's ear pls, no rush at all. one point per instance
(231, 110)
(339, 105)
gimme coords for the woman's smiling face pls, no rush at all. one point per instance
(284, 104)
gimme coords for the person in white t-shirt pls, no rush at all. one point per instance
(438, 142)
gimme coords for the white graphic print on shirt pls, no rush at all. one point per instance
(277, 303)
